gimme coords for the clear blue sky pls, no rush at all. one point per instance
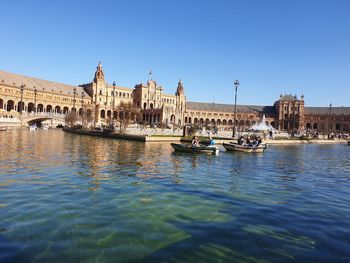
(270, 46)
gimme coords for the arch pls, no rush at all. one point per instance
(172, 118)
(80, 112)
(48, 108)
(241, 123)
(218, 122)
(58, 109)
(337, 127)
(185, 119)
(207, 121)
(109, 114)
(40, 108)
(88, 112)
(308, 125)
(65, 110)
(20, 106)
(10, 105)
(212, 121)
(102, 114)
(248, 123)
(189, 120)
(224, 122)
(151, 106)
(1, 104)
(230, 122)
(121, 115)
(31, 107)
(273, 124)
(195, 121)
(144, 105)
(115, 115)
(315, 126)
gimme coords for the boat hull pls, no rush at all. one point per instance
(240, 148)
(194, 149)
(3, 128)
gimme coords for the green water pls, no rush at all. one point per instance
(71, 198)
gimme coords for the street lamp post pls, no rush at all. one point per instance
(74, 94)
(35, 93)
(236, 84)
(113, 106)
(21, 106)
(329, 119)
(82, 108)
(341, 120)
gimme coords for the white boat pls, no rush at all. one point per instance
(195, 149)
(244, 148)
(33, 127)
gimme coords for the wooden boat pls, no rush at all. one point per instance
(195, 149)
(3, 128)
(244, 148)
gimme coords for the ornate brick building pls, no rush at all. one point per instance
(21, 96)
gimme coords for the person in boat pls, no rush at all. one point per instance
(211, 141)
(195, 141)
(256, 141)
(241, 140)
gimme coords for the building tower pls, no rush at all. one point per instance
(180, 102)
(99, 92)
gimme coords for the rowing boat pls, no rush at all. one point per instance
(195, 149)
(244, 148)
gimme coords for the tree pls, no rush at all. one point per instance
(89, 115)
(127, 113)
(193, 129)
(71, 118)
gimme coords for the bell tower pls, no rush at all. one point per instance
(99, 91)
(180, 101)
(99, 85)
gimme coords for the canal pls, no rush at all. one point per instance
(71, 198)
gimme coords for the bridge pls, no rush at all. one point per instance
(37, 117)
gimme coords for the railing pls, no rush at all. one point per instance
(43, 114)
(9, 119)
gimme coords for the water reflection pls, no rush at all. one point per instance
(74, 198)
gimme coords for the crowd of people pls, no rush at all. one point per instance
(253, 141)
